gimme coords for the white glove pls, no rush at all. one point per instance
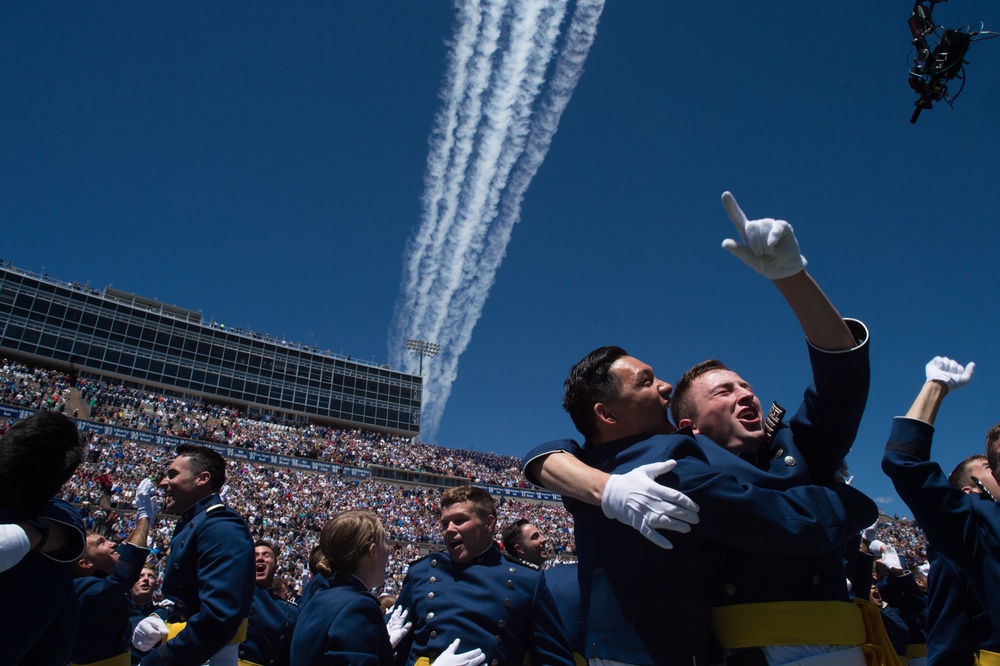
(14, 545)
(396, 625)
(843, 473)
(145, 505)
(470, 658)
(149, 632)
(767, 246)
(637, 500)
(949, 373)
(166, 604)
(891, 559)
(868, 534)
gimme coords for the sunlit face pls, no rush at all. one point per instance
(726, 411)
(265, 565)
(103, 554)
(182, 486)
(373, 567)
(466, 534)
(641, 407)
(382, 551)
(532, 546)
(143, 589)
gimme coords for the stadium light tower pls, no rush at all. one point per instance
(423, 348)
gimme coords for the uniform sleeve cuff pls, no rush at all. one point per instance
(858, 330)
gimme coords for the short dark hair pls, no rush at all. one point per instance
(266, 544)
(37, 456)
(481, 500)
(512, 534)
(591, 381)
(992, 450)
(961, 477)
(681, 405)
(204, 459)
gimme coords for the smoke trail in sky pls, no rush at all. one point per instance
(512, 68)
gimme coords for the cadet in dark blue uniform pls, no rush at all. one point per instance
(104, 576)
(617, 411)
(957, 626)
(473, 593)
(964, 527)
(210, 572)
(37, 455)
(524, 543)
(141, 603)
(272, 619)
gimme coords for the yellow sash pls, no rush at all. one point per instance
(805, 623)
(124, 659)
(577, 657)
(174, 628)
(987, 658)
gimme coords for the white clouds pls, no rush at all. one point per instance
(491, 134)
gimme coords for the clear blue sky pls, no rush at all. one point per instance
(264, 163)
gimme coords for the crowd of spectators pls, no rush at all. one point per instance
(141, 409)
(32, 388)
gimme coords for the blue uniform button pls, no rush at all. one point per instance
(729, 589)
(430, 595)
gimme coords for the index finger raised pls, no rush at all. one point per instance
(735, 213)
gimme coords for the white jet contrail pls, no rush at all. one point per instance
(491, 134)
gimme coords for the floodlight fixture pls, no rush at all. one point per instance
(423, 348)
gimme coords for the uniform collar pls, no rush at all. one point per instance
(350, 580)
(523, 563)
(200, 506)
(489, 556)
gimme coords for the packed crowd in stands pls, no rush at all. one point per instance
(288, 506)
(143, 410)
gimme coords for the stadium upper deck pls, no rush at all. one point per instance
(139, 340)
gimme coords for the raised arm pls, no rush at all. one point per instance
(943, 375)
(947, 515)
(769, 247)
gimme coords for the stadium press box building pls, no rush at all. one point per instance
(141, 342)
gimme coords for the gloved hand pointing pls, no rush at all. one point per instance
(768, 246)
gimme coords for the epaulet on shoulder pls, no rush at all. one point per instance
(516, 560)
(215, 507)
